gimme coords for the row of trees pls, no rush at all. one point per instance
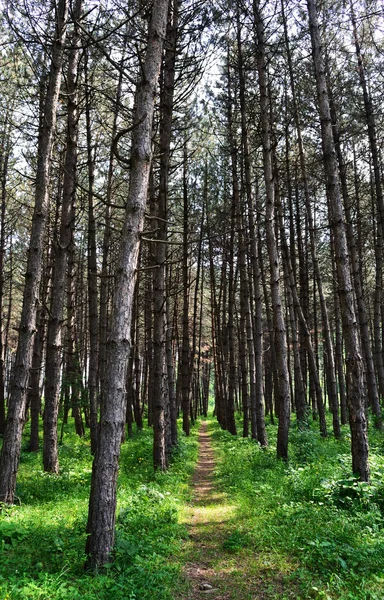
(183, 232)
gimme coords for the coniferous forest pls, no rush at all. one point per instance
(191, 300)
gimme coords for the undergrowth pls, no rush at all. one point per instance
(42, 537)
(320, 529)
(307, 524)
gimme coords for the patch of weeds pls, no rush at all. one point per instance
(43, 539)
(311, 515)
(237, 540)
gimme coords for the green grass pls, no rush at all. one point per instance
(302, 530)
(309, 520)
(42, 537)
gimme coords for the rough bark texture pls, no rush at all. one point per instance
(284, 395)
(60, 255)
(354, 362)
(160, 325)
(104, 283)
(185, 400)
(102, 505)
(92, 285)
(4, 159)
(372, 388)
(16, 413)
(372, 136)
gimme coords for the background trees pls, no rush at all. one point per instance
(255, 274)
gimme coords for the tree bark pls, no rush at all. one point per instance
(60, 254)
(284, 402)
(4, 160)
(185, 392)
(102, 505)
(354, 362)
(160, 325)
(16, 413)
(254, 334)
(93, 315)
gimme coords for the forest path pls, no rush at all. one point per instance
(218, 563)
(212, 518)
(207, 520)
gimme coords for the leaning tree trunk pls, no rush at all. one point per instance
(354, 361)
(102, 504)
(16, 413)
(284, 401)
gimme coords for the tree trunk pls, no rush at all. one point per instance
(284, 402)
(60, 252)
(102, 505)
(4, 159)
(185, 402)
(354, 362)
(16, 413)
(160, 325)
(372, 136)
(254, 338)
(93, 321)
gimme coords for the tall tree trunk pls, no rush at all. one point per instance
(60, 251)
(254, 338)
(372, 136)
(235, 207)
(171, 373)
(102, 505)
(372, 389)
(160, 325)
(105, 279)
(16, 413)
(354, 362)
(323, 307)
(93, 321)
(4, 159)
(284, 402)
(185, 346)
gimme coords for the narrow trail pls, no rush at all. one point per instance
(218, 562)
(208, 519)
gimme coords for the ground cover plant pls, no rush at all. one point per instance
(307, 523)
(42, 537)
(302, 529)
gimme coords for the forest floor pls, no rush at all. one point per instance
(216, 564)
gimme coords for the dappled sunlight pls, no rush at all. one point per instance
(221, 561)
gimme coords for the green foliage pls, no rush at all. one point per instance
(322, 527)
(237, 540)
(42, 538)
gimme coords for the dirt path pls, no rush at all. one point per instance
(207, 519)
(218, 562)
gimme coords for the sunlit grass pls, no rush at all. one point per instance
(42, 537)
(309, 520)
(262, 528)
